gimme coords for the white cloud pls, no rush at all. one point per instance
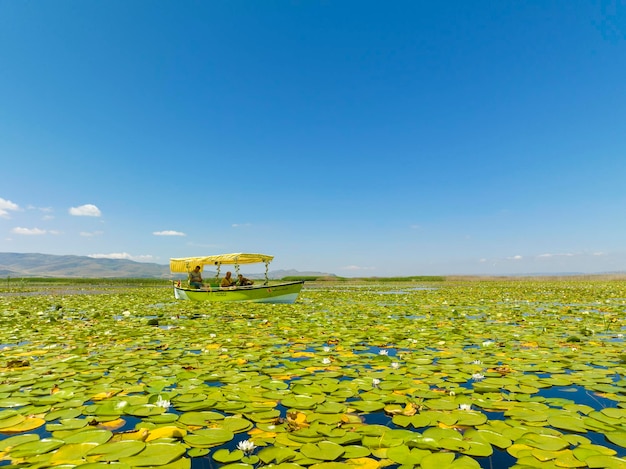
(241, 225)
(515, 258)
(168, 233)
(123, 255)
(87, 210)
(28, 231)
(6, 206)
(548, 255)
(356, 267)
(113, 255)
(88, 234)
(144, 258)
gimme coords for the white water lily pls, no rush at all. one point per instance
(477, 362)
(383, 352)
(478, 376)
(326, 349)
(247, 446)
(375, 382)
(487, 343)
(160, 402)
(465, 407)
(395, 365)
(326, 361)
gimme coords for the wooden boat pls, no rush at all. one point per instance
(263, 292)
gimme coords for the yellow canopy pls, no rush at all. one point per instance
(186, 264)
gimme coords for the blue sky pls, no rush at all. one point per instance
(359, 138)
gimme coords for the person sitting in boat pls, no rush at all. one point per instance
(195, 278)
(227, 281)
(243, 281)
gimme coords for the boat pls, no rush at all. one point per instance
(265, 292)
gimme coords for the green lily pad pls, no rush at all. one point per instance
(324, 450)
(545, 442)
(113, 451)
(200, 419)
(155, 454)
(568, 422)
(208, 437)
(437, 460)
(276, 454)
(404, 455)
(35, 447)
(617, 437)
(9, 443)
(368, 406)
(225, 456)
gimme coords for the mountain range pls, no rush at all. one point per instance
(69, 266)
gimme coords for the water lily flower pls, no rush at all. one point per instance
(212, 336)
(465, 407)
(326, 349)
(477, 362)
(160, 402)
(478, 376)
(452, 393)
(247, 446)
(395, 365)
(126, 313)
(375, 382)
(121, 405)
(383, 352)
(487, 343)
(326, 361)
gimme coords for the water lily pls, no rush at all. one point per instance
(160, 402)
(247, 446)
(383, 352)
(487, 343)
(326, 349)
(478, 376)
(465, 407)
(375, 382)
(477, 362)
(326, 361)
(395, 365)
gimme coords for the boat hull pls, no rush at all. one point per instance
(279, 293)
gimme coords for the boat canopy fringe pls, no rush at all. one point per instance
(187, 264)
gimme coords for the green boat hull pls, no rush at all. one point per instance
(278, 293)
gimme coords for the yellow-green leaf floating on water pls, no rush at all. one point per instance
(453, 372)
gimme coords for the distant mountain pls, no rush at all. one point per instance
(48, 265)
